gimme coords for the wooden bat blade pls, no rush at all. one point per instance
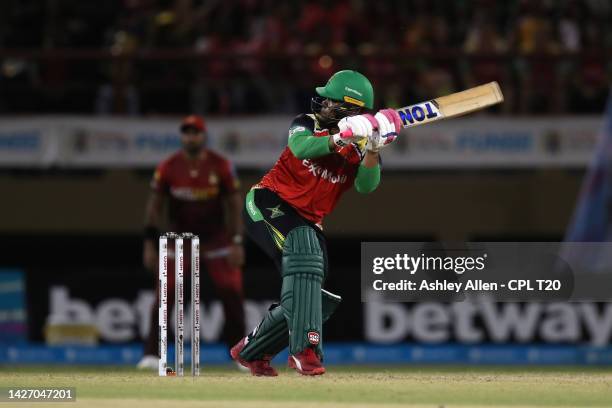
(452, 105)
(470, 100)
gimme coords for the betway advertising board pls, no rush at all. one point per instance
(121, 313)
(117, 302)
(256, 142)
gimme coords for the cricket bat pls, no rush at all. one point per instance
(450, 106)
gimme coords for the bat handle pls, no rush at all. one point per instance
(346, 133)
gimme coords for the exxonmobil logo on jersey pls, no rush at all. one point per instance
(319, 171)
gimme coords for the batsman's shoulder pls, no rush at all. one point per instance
(302, 123)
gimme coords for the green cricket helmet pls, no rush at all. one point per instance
(350, 87)
(351, 92)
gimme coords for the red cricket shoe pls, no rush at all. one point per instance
(258, 367)
(306, 362)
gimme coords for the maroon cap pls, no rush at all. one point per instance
(193, 121)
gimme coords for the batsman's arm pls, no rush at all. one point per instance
(368, 174)
(302, 142)
(306, 146)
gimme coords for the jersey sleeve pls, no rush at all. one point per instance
(367, 179)
(161, 179)
(302, 142)
(229, 182)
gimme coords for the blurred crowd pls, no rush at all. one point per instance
(255, 56)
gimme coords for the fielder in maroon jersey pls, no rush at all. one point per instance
(199, 190)
(330, 150)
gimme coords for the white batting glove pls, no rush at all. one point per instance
(360, 127)
(389, 126)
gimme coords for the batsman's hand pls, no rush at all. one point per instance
(149, 255)
(354, 128)
(389, 126)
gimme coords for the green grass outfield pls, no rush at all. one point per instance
(345, 386)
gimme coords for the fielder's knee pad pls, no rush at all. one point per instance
(303, 271)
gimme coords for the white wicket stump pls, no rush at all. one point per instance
(179, 296)
(195, 305)
(163, 305)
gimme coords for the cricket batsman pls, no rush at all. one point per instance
(199, 190)
(330, 150)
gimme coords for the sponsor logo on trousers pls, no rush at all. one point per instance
(313, 337)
